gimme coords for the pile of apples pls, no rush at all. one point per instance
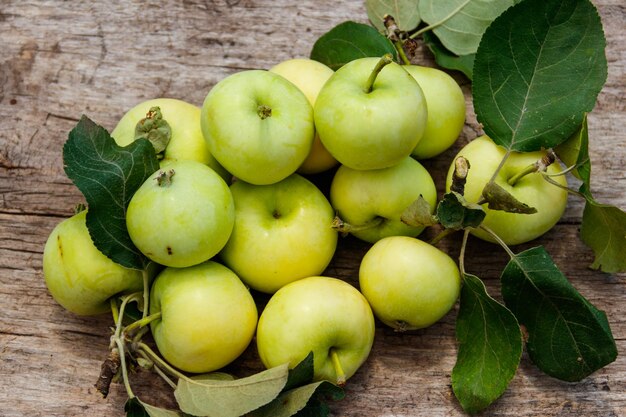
(231, 209)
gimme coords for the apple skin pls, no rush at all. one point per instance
(316, 314)
(187, 141)
(550, 201)
(370, 130)
(409, 283)
(186, 222)
(309, 76)
(360, 197)
(208, 316)
(446, 110)
(282, 233)
(78, 276)
(255, 149)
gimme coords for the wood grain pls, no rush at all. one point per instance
(59, 60)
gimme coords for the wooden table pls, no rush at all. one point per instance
(60, 59)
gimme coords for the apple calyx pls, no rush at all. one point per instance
(164, 178)
(385, 60)
(264, 111)
(155, 129)
(341, 375)
(540, 166)
(344, 227)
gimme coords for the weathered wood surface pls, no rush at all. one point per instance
(60, 59)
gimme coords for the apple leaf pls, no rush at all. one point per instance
(419, 214)
(108, 175)
(349, 41)
(575, 151)
(539, 68)
(296, 400)
(568, 337)
(500, 199)
(460, 24)
(224, 398)
(136, 408)
(490, 347)
(446, 59)
(301, 374)
(404, 12)
(454, 212)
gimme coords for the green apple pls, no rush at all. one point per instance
(258, 125)
(446, 110)
(208, 316)
(78, 276)
(409, 283)
(182, 215)
(372, 201)
(513, 228)
(323, 315)
(368, 117)
(282, 233)
(186, 141)
(309, 76)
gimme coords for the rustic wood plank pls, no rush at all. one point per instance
(60, 59)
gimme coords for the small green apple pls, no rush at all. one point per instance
(323, 315)
(309, 76)
(182, 215)
(373, 201)
(258, 125)
(208, 316)
(409, 283)
(446, 110)
(186, 142)
(513, 228)
(282, 233)
(367, 122)
(78, 276)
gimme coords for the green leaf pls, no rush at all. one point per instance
(294, 401)
(301, 374)
(349, 41)
(460, 24)
(419, 214)
(603, 229)
(223, 398)
(575, 151)
(404, 12)
(538, 70)
(446, 59)
(454, 212)
(108, 176)
(490, 347)
(568, 338)
(136, 408)
(500, 199)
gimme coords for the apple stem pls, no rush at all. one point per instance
(142, 322)
(264, 111)
(344, 227)
(385, 60)
(539, 166)
(341, 375)
(459, 177)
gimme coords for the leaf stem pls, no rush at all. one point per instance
(462, 253)
(341, 375)
(499, 240)
(158, 370)
(160, 362)
(499, 168)
(444, 233)
(146, 291)
(401, 53)
(142, 322)
(125, 301)
(115, 312)
(569, 190)
(442, 21)
(120, 347)
(385, 60)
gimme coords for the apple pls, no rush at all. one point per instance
(258, 125)
(446, 110)
(323, 315)
(186, 141)
(282, 233)
(409, 283)
(181, 215)
(208, 316)
(309, 76)
(370, 114)
(513, 228)
(78, 276)
(372, 201)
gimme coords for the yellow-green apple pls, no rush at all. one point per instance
(258, 125)
(309, 76)
(323, 315)
(446, 110)
(513, 228)
(409, 283)
(186, 139)
(78, 276)
(370, 114)
(371, 202)
(282, 233)
(181, 215)
(208, 316)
